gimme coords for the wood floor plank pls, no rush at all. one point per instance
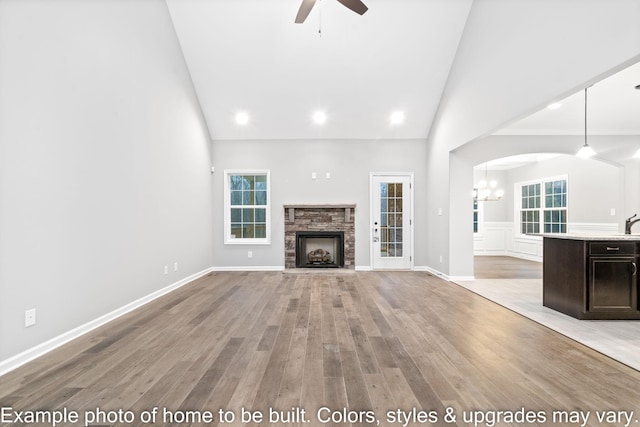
(312, 387)
(291, 385)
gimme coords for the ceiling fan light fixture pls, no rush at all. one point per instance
(305, 8)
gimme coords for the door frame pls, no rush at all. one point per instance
(373, 175)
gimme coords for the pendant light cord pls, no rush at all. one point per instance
(585, 117)
(320, 19)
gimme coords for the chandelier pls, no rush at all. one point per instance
(487, 190)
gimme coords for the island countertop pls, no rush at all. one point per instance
(593, 237)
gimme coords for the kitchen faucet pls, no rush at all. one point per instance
(628, 223)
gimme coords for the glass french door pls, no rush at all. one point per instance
(391, 221)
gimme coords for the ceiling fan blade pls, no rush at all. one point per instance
(356, 5)
(305, 9)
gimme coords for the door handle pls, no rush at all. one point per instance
(635, 269)
(610, 248)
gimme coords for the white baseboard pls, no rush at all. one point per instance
(363, 268)
(442, 275)
(249, 268)
(47, 346)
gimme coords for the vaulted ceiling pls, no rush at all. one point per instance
(249, 56)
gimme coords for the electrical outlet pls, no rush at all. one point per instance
(175, 266)
(440, 258)
(314, 175)
(249, 254)
(328, 175)
(613, 211)
(30, 317)
(440, 211)
(166, 269)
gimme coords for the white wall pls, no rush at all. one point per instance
(104, 163)
(508, 66)
(632, 190)
(291, 163)
(595, 188)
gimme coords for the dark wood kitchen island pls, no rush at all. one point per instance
(591, 277)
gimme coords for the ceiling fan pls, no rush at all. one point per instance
(305, 8)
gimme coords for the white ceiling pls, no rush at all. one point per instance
(249, 55)
(613, 108)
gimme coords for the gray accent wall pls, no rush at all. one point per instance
(104, 164)
(291, 163)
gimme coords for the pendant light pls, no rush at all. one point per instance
(585, 152)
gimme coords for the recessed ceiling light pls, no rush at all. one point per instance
(554, 106)
(319, 117)
(242, 118)
(397, 118)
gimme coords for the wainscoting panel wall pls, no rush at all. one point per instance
(500, 239)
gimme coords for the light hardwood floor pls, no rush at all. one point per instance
(375, 341)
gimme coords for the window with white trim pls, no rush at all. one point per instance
(247, 209)
(543, 206)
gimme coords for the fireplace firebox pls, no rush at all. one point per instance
(319, 249)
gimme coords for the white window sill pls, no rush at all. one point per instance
(247, 242)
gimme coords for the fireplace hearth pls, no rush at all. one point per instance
(319, 249)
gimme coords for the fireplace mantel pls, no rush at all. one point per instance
(291, 209)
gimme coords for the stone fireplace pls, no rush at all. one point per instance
(310, 231)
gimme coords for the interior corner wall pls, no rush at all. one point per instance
(291, 163)
(104, 164)
(509, 66)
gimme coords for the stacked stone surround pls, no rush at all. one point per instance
(319, 218)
